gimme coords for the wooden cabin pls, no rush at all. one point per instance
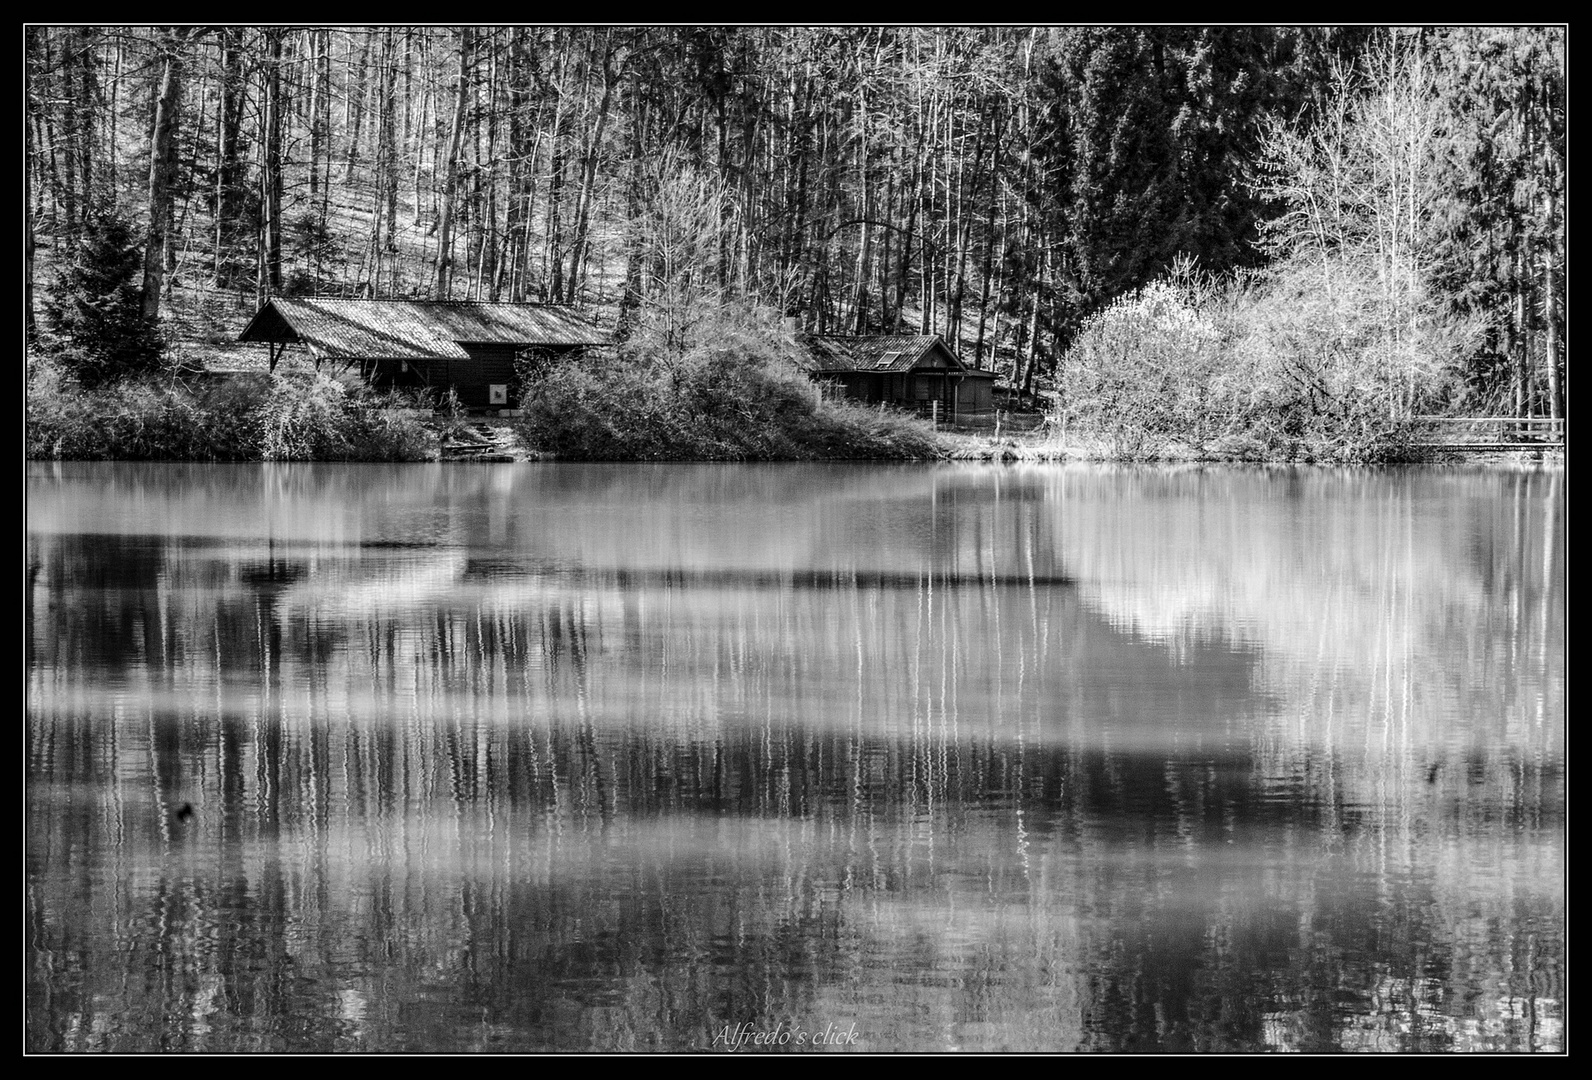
(908, 370)
(421, 344)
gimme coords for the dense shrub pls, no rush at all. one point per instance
(277, 417)
(1144, 374)
(735, 397)
(1300, 363)
(717, 406)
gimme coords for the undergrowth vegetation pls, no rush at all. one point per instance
(284, 416)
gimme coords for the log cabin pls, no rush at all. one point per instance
(916, 371)
(420, 344)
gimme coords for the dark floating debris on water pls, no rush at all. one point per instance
(185, 812)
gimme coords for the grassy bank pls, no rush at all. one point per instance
(725, 409)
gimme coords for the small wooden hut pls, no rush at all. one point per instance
(909, 370)
(422, 344)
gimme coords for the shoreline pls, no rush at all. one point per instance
(494, 441)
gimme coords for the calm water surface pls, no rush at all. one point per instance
(559, 757)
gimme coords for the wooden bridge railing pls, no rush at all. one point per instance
(1494, 432)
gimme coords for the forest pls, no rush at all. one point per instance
(1163, 224)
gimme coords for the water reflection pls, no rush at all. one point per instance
(583, 757)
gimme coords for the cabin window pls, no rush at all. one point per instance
(497, 394)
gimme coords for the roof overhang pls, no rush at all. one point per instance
(415, 331)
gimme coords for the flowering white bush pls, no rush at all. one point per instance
(1275, 365)
(1143, 372)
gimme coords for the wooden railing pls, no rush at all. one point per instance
(1493, 432)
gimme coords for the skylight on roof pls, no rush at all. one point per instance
(887, 359)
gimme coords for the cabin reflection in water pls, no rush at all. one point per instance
(966, 759)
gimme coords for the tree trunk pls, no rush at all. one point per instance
(521, 154)
(553, 255)
(588, 182)
(357, 96)
(1521, 339)
(320, 118)
(162, 168)
(229, 169)
(630, 295)
(449, 169)
(271, 164)
(30, 328)
(82, 101)
(989, 245)
(422, 211)
(384, 206)
(1552, 310)
(1550, 287)
(1025, 377)
(31, 104)
(904, 266)
(69, 143)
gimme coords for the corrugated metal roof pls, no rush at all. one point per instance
(873, 353)
(414, 329)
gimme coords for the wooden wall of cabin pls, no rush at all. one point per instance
(472, 378)
(487, 366)
(975, 395)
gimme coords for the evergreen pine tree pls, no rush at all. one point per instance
(94, 315)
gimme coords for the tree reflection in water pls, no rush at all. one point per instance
(585, 758)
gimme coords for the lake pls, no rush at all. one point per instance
(842, 757)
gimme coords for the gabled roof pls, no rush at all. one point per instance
(883, 353)
(413, 329)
